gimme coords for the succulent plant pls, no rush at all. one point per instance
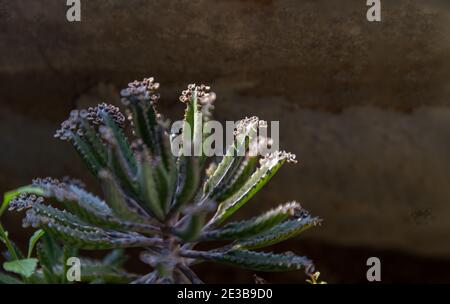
(165, 204)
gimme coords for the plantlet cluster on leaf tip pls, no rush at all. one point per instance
(154, 200)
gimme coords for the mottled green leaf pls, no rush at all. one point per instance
(87, 206)
(122, 141)
(233, 157)
(33, 240)
(87, 154)
(147, 185)
(240, 175)
(189, 180)
(72, 231)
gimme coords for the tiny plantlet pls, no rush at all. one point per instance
(162, 203)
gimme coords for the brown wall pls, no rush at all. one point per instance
(365, 106)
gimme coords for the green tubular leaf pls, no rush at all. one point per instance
(122, 142)
(33, 240)
(162, 187)
(112, 222)
(278, 233)
(72, 197)
(191, 230)
(188, 123)
(247, 128)
(259, 261)
(189, 168)
(7, 279)
(122, 206)
(197, 136)
(24, 267)
(70, 230)
(166, 153)
(142, 126)
(253, 226)
(85, 205)
(10, 195)
(166, 175)
(219, 174)
(189, 180)
(146, 125)
(151, 116)
(269, 166)
(121, 170)
(148, 187)
(87, 154)
(240, 176)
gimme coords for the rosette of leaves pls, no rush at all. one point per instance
(162, 202)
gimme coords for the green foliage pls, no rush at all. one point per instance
(25, 267)
(9, 196)
(165, 204)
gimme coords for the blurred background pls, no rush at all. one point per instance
(365, 106)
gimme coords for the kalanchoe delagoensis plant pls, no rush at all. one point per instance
(162, 203)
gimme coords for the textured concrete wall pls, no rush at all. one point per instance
(365, 106)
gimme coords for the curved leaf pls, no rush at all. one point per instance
(121, 140)
(240, 175)
(246, 128)
(253, 226)
(269, 166)
(260, 261)
(278, 233)
(71, 230)
(148, 188)
(24, 267)
(87, 206)
(87, 154)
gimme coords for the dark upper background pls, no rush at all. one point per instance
(365, 106)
